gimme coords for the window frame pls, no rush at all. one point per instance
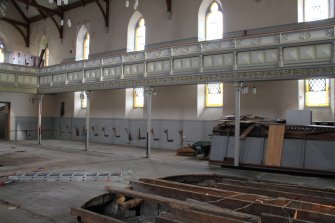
(217, 105)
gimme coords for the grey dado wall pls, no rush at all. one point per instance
(297, 153)
(22, 128)
(166, 134)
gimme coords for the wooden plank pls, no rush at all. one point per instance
(233, 203)
(274, 147)
(91, 217)
(167, 219)
(247, 131)
(178, 204)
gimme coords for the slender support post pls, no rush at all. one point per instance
(39, 124)
(87, 125)
(148, 92)
(238, 86)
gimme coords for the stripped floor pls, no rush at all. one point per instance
(52, 201)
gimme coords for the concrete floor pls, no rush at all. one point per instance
(43, 202)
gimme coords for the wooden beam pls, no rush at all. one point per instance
(256, 207)
(104, 12)
(37, 6)
(92, 217)
(20, 12)
(16, 24)
(169, 6)
(172, 203)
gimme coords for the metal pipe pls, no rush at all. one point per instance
(87, 125)
(237, 86)
(39, 121)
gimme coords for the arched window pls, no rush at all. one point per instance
(83, 44)
(136, 33)
(312, 10)
(214, 22)
(2, 53)
(140, 35)
(210, 20)
(86, 46)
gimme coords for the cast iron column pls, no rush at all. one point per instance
(238, 86)
(39, 121)
(148, 94)
(87, 125)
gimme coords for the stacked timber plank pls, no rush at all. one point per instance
(209, 198)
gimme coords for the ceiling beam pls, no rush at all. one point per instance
(37, 6)
(17, 25)
(104, 12)
(64, 9)
(20, 12)
(169, 6)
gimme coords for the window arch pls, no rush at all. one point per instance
(83, 44)
(210, 20)
(313, 10)
(136, 33)
(2, 52)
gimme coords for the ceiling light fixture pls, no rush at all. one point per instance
(135, 3)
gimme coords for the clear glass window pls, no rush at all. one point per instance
(140, 35)
(138, 97)
(214, 22)
(214, 95)
(317, 92)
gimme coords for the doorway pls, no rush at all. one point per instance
(4, 120)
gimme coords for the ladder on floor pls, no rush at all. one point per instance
(71, 176)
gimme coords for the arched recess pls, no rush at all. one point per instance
(80, 42)
(44, 51)
(203, 9)
(132, 29)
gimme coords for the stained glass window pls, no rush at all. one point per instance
(86, 47)
(83, 100)
(140, 35)
(214, 95)
(138, 97)
(214, 22)
(317, 92)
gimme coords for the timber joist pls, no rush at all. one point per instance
(213, 198)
